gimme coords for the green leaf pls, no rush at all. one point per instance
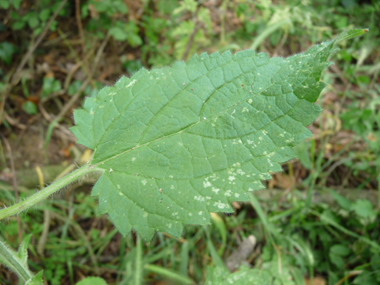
(37, 280)
(245, 276)
(49, 86)
(118, 33)
(53, 26)
(363, 208)
(110, 6)
(186, 5)
(4, 4)
(16, 3)
(6, 52)
(33, 20)
(18, 261)
(367, 277)
(74, 87)
(339, 249)
(337, 260)
(350, 34)
(23, 250)
(44, 14)
(341, 200)
(18, 25)
(121, 32)
(302, 151)
(29, 107)
(92, 281)
(177, 143)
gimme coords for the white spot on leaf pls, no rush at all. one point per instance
(216, 190)
(199, 198)
(131, 83)
(220, 205)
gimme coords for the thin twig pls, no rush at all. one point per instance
(79, 23)
(70, 74)
(100, 52)
(76, 96)
(350, 274)
(44, 235)
(5, 94)
(281, 45)
(72, 100)
(340, 74)
(191, 39)
(16, 78)
(81, 34)
(13, 122)
(14, 183)
(86, 71)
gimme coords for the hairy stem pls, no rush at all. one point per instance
(11, 259)
(46, 192)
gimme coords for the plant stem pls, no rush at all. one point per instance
(267, 32)
(326, 219)
(168, 274)
(11, 259)
(138, 262)
(46, 192)
(263, 217)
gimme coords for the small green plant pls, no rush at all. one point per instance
(193, 29)
(174, 144)
(107, 16)
(6, 52)
(365, 123)
(36, 17)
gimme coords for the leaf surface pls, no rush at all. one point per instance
(177, 143)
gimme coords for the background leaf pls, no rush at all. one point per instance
(37, 279)
(92, 281)
(363, 208)
(245, 276)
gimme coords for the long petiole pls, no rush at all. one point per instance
(46, 192)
